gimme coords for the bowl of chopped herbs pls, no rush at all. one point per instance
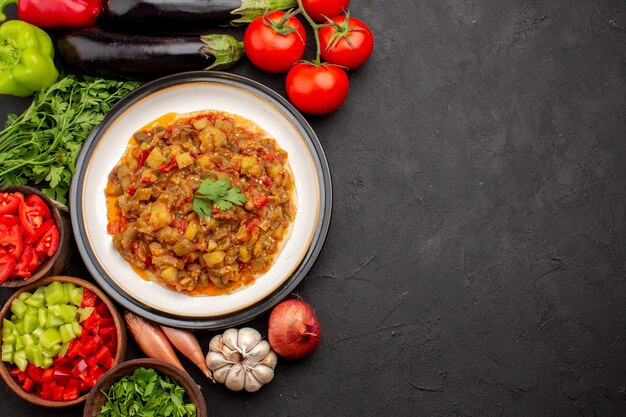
(145, 387)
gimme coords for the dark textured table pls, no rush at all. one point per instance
(476, 260)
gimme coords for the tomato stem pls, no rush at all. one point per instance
(316, 28)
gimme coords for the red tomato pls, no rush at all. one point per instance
(7, 264)
(34, 200)
(27, 263)
(31, 217)
(317, 9)
(11, 239)
(48, 243)
(275, 42)
(260, 201)
(9, 202)
(349, 42)
(9, 219)
(40, 231)
(317, 89)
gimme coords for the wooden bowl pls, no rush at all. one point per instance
(119, 327)
(60, 260)
(97, 399)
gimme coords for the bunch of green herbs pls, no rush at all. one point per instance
(146, 393)
(41, 145)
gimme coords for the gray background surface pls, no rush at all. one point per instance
(476, 260)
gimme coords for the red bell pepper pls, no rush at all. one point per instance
(89, 298)
(80, 367)
(28, 385)
(53, 14)
(107, 363)
(71, 393)
(62, 372)
(47, 376)
(34, 373)
(74, 349)
(57, 393)
(46, 390)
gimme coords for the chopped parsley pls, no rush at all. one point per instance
(146, 393)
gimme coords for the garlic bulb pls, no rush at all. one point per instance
(240, 359)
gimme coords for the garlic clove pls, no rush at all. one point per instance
(263, 374)
(248, 339)
(216, 344)
(221, 374)
(252, 384)
(215, 360)
(230, 338)
(258, 352)
(270, 360)
(235, 380)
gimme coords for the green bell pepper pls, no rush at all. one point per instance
(26, 59)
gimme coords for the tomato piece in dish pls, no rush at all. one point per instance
(9, 202)
(48, 243)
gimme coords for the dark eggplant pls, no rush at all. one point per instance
(168, 14)
(96, 51)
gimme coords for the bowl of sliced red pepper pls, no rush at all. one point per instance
(35, 235)
(60, 335)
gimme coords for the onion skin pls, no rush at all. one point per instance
(188, 345)
(151, 339)
(293, 330)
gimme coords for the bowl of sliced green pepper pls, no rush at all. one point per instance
(60, 335)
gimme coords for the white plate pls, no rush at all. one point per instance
(186, 93)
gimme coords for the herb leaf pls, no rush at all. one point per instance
(219, 192)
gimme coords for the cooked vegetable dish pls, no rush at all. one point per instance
(201, 202)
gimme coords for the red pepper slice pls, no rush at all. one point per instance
(101, 354)
(57, 393)
(46, 390)
(71, 393)
(80, 367)
(34, 200)
(108, 333)
(62, 372)
(34, 373)
(75, 344)
(7, 264)
(89, 299)
(27, 262)
(142, 159)
(48, 243)
(31, 217)
(107, 363)
(47, 375)
(11, 240)
(28, 385)
(9, 202)
(96, 372)
(74, 382)
(167, 167)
